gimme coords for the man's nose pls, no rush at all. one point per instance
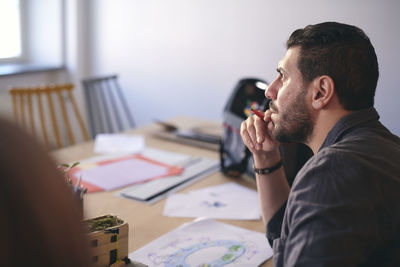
(272, 90)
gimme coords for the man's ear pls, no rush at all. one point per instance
(323, 91)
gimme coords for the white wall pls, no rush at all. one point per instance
(44, 31)
(185, 56)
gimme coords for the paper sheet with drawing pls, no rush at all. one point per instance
(226, 201)
(206, 242)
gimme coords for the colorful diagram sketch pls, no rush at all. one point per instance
(234, 250)
(215, 202)
(206, 243)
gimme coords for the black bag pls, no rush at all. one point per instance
(235, 158)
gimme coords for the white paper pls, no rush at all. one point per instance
(121, 173)
(205, 243)
(226, 201)
(114, 175)
(118, 143)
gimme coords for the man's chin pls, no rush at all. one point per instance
(279, 135)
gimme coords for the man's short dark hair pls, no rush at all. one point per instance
(343, 52)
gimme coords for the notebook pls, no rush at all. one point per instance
(152, 191)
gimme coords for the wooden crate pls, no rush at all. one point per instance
(109, 246)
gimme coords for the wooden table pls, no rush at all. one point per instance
(146, 222)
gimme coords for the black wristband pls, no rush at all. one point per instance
(268, 170)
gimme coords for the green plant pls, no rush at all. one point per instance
(65, 168)
(102, 223)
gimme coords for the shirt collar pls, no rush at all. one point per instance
(349, 121)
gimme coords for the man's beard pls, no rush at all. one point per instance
(295, 123)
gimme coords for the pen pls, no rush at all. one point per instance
(78, 183)
(258, 113)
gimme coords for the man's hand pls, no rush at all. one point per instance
(257, 136)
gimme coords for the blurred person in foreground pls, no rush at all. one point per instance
(41, 222)
(343, 208)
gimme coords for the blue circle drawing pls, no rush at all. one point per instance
(235, 249)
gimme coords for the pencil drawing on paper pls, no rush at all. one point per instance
(233, 250)
(206, 243)
(203, 251)
(212, 204)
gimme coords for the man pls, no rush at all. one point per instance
(343, 208)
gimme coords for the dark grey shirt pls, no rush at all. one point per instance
(344, 205)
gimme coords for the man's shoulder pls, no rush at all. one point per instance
(361, 131)
(365, 149)
(353, 161)
(365, 142)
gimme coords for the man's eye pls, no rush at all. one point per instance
(281, 75)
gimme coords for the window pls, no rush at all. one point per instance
(31, 36)
(10, 29)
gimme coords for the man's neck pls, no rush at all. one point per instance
(323, 124)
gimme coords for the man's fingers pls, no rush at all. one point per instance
(253, 132)
(260, 127)
(257, 134)
(245, 134)
(251, 129)
(267, 115)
